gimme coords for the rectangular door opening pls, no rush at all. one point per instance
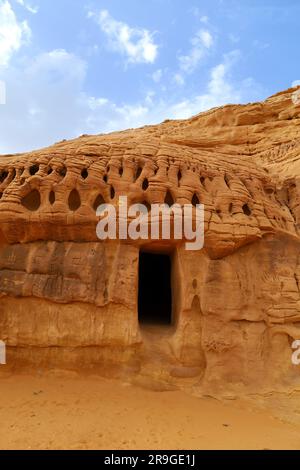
(155, 292)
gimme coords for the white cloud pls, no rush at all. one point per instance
(96, 103)
(220, 90)
(28, 7)
(206, 39)
(117, 117)
(13, 34)
(296, 83)
(201, 43)
(136, 44)
(45, 101)
(58, 66)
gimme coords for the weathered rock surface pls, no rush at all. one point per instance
(69, 300)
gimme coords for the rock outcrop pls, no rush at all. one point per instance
(69, 300)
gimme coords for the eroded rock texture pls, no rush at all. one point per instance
(69, 300)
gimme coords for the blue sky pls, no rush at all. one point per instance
(74, 67)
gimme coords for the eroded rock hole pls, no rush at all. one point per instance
(202, 181)
(155, 293)
(138, 173)
(74, 200)
(145, 184)
(32, 201)
(195, 200)
(269, 191)
(3, 176)
(169, 199)
(52, 198)
(34, 169)
(246, 209)
(62, 172)
(84, 173)
(112, 192)
(98, 202)
(226, 179)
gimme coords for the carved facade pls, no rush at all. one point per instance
(69, 300)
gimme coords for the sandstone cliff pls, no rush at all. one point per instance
(69, 300)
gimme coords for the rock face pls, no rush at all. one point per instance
(69, 300)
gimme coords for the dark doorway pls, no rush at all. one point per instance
(155, 294)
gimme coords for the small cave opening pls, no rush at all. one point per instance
(195, 200)
(98, 202)
(169, 199)
(246, 209)
(84, 173)
(145, 185)
(155, 290)
(52, 197)
(74, 200)
(32, 201)
(33, 170)
(3, 175)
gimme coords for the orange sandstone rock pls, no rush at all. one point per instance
(69, 300)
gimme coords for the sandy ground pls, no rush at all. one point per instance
(57, 412)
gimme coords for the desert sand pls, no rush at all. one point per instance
(61, 411)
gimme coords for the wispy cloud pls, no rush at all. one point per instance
(13, 33)
(136, 44)
(201, 43)
(197, 13)
(28, 6)
(220, 90)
